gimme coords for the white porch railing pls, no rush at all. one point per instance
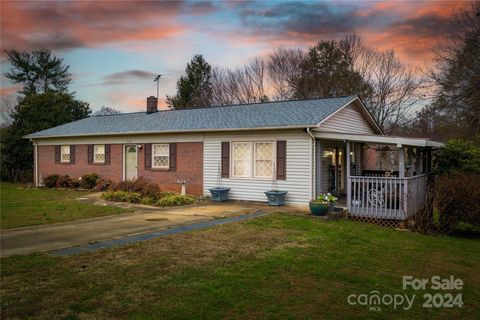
(386, 197)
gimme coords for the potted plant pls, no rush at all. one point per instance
(219, 193)
(275, 197)
(323, 204)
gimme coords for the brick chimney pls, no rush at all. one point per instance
(152, 104)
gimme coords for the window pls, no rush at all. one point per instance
(160, 156)
(99, 153)
(264, 159)
(65, 154)
(242, 159)
(253, 159)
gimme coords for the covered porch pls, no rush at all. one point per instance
(374, 176)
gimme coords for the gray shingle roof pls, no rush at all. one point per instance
(281, 114)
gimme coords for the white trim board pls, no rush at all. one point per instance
(379, 139)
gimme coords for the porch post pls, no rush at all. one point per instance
(349, 184)
(429, 160)
(401, 161)
(403, 182)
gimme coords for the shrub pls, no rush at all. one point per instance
(74, 183)
(89, 180)
(165, 199)
(64, 182)
(103, 185)
(126, 185)
(176, 200)
(51, 180)
(148, 201)
(122, 196)
(145, 188)
(459, 155)
(457, 199)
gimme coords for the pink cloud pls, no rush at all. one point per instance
(63, 25)
(7, 91)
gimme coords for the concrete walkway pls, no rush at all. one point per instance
(146, 219)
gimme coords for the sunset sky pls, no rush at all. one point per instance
(115, 48)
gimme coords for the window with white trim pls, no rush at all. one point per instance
(253, 159)
(264, 159)
(65, 154)
(99, 153)
(242, 159)
(161, 156)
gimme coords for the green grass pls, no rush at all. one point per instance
(275, 267)
(28, 207)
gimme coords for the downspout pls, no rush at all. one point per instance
(314, 162)
(35, 159)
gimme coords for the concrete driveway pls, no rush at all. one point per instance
(145, 219)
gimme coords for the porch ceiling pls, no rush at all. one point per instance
(378, 139)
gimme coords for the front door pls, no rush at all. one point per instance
(130, 162)
(336, 170)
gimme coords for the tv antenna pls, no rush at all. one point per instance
(157, 80)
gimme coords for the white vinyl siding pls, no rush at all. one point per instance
(99, 153)
(347, 120)
(299, 178)
(65, 154)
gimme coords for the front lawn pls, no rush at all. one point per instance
(27, 207)
(275, 267)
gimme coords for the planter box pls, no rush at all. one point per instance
(319, 209)
(276, 198)
(219, 194)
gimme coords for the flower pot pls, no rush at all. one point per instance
(319, 209)
(219, 194)
(276, 198)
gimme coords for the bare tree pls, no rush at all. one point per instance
(104, 111)
(456, 74)
(284, 70)
(395, 88)
(7, 104)
(242, 85)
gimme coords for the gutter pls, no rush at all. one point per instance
(33, 136)
(35, 159)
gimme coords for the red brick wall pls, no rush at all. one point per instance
(47, 165)
(189, 166)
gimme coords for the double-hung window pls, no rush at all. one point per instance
(65, 154)
(161, 156)
(253, 159)
(99, 153)
(242, 159)
(264, 159)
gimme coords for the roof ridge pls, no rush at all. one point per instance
(116, 114)
(257, 103)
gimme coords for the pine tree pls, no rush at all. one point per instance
(38, 71)
(194, 89)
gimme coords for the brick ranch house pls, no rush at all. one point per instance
(305, 147)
